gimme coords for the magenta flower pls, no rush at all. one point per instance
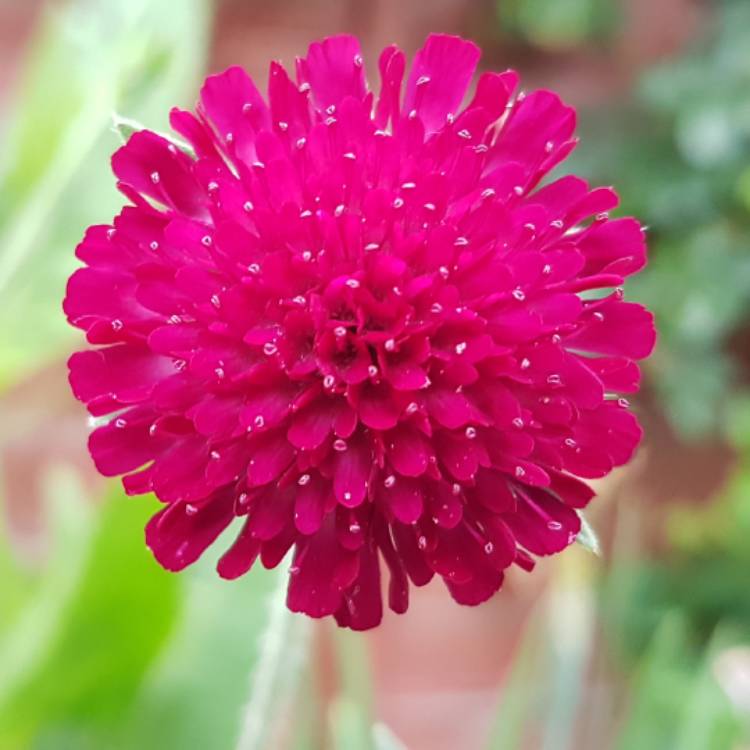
(356, 323)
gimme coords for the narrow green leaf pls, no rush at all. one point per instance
(587, 537)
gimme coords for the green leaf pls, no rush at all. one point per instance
(115, 623)
(199, 693)
(587, 537)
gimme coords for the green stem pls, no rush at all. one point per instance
(282, 652)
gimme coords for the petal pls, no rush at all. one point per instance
(378, 406)
(493, 491)
(239, 558)
(234, 105)
(619, 329)
(102, 302)
(460, 455)
(274, 550)
(571, 491)
(398, 587)
(228, 464)
(216, 415)
(310, 503)
(362, 605)
(407, 376)
(494, 91)
(403, 499)
(179, 534)
(540, 118)
(409, 451)
(452, 409)
(267, 407)
(616, 246)
(116, 375)
(334, 70)
(351, 473)
(485, 582)
(446, 504)
(320, 571)
(180, 472)
(542, 524)
(392, 64)
(148, 164)
(412, 556)
(288, 104)
(312, 425)
(125, 443)
(269, 454)
(271, 512)
(454, 556)
(440, 74)
(617, 374)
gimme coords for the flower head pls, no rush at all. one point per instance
(356, 323)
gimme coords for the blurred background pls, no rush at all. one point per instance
(646, 647)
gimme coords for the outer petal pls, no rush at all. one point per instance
(334, 70)
(147, 163)
(231, 101)
(362, 606)
(239, 558)
(320, 571)
(619, 329)
(117, 375)
(180, 533)
(440, 75)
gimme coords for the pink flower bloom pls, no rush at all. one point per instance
(357, 324)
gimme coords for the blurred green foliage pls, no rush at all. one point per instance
(114, 622)
(704, 572)
(677, 703)
(561, 25)
(680, 154)
(88, 59)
